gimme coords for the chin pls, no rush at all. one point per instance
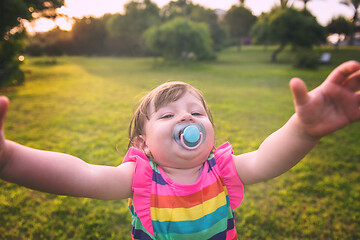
(202, 152)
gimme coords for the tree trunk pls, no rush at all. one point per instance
(239, 44)
(352, 35)
(277, 51)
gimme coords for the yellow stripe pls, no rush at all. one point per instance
(188, 214)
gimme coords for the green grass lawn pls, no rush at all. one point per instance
(83, 106)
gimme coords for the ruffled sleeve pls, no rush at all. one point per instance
(141, 186)
(234, 185)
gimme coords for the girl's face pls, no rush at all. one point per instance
(159, 141)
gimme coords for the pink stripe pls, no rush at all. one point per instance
(179, 189)
(230, 235)
(226, 166)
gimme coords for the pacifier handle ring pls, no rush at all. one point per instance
(187, 147)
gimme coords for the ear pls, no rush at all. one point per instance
(140, 143)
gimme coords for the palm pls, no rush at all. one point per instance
(332, 105)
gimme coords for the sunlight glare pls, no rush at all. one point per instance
(80, 8)
(39, 25)
(64, 23)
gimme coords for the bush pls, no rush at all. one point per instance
(306, 59)
(10, 73)
(180, 38)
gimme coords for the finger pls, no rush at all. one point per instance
(353, 82)
(342, 72)
(299, 91)
(4, 104)
(357, 116)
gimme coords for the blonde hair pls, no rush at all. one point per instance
(160, 96)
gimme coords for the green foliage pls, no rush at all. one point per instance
(354, 5)
(10, 73)
(122, 34)
(89, 35)
(340, 25)
(197, 13)
(306, 59)
(290, 26)
(208, 16)
(12, 32)
(260, 31)
(239, 21)
(83, 105)
(125, 31)
(178, 38)
(176, 8)
(52, 43)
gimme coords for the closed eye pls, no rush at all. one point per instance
(167, 116)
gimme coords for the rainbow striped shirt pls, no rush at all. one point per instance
(164, 209)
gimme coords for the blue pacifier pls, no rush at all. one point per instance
(189, 135)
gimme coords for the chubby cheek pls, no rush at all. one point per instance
(210, 136)
(158, 138)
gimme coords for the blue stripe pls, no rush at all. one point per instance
(140, 234)
(158, 178)
(222, 235)
(188, 227)
(212, 162)
(231, 222)
(219, 236)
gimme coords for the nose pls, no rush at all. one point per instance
(186, 117)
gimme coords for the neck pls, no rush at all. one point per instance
(183, 175)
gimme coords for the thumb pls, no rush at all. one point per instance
(299, 91)
(4, 104)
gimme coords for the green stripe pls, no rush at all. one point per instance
(154, 166)
(205, 234)
(136, 223)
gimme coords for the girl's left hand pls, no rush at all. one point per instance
(332, 105)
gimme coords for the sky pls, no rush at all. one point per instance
(324, 10)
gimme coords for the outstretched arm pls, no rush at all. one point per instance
(60, 173)
(329, 107)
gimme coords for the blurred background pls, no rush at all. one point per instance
(176, 30)
(74, 71)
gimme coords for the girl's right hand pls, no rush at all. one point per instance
(332, 105)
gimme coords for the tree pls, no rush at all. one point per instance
(354, 4)
(173, 9)
(218, 34)
(239, 21)
(89, 36)
(260, 32)
(305, 3)
(55, 42)
(12, 32)
(284, 3)
(180, 39)
(290, 26)
(125, 31)
(339, 25)
(196, 13)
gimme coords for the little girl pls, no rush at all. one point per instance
(179, 185)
